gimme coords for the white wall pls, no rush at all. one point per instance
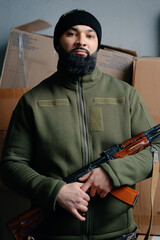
(130, 24)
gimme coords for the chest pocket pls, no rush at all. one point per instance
(95, 113)
(120, 100)
(47, 103)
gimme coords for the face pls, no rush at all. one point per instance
(81, 38)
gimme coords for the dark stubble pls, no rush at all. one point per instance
(76, 65)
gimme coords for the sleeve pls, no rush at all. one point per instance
(134, 168)
(16, 167)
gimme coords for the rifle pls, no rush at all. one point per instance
(24, 224)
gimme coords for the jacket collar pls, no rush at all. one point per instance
(71, 82)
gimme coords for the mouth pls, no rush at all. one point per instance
(80, 51)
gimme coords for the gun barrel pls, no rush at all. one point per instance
(153, 137)
(88, 168)
(152, 133)
(157, 127)
(152, 130)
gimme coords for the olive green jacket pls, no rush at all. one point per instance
(61, 125)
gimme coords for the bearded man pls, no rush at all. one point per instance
(63, 124)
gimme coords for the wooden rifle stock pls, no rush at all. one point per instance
(24, 224)
(126, 194)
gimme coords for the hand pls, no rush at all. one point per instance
(97, 182)
(72, 198)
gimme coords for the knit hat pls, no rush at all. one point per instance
(73, 18)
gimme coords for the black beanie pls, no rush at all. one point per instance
(73, 18)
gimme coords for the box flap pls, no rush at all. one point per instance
(107, 47)
(116, 63)
(34, 26)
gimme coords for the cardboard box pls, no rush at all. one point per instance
(116, 62)
(8, 100)
(30, 58)
(146, 79)
(142, 209)
(154, 237)
(146, 76)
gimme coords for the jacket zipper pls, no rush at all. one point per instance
(83, 122)
(84, 141)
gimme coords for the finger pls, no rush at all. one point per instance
(84, 177)
(85, 203)
(93, 192)
(82, 214)
(83, 208)
(79, 215)
(80, 184)
(98, 191)
(83, 193)
(85, 196)
(103, 194)
(86, 186)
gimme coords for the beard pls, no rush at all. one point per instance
(76, 65)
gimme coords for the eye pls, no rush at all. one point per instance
(70, 33)
(91, 35)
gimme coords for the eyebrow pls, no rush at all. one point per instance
(76, 29)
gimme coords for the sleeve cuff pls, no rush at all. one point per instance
(56, 190)
(111, 173)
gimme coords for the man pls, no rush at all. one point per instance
(63, 124)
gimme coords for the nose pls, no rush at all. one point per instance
(80, 41)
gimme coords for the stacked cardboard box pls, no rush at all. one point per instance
(8, 101)
(146, 79)
(30, 58)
